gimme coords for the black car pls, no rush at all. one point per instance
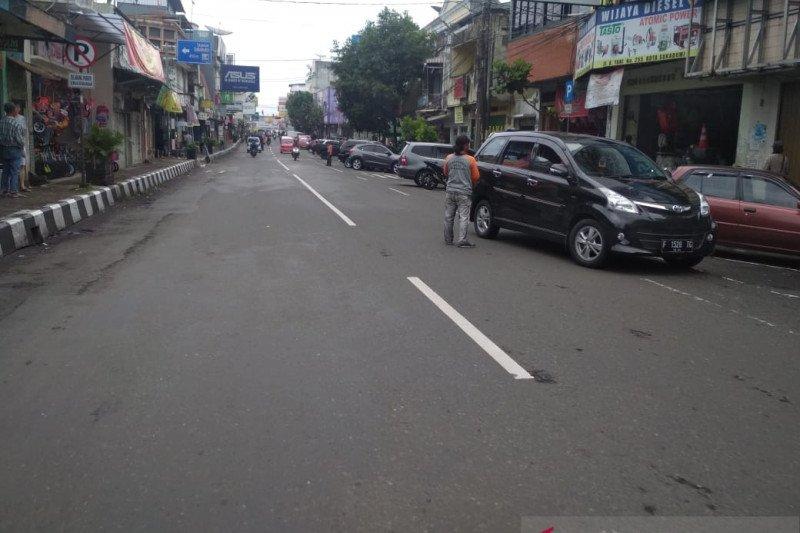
(346, 146)
(595, 195)
(374, 156)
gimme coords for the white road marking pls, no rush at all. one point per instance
(786, 294)
(401, 192)
(758, 264)
(494, 351)
(336, 170)
(361, 178)
(733, 280)
(699, 299)
(281, 164)
(378, 176)
(326, 202)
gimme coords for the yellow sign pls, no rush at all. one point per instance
(458, 115)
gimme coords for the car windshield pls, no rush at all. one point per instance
(611, 160)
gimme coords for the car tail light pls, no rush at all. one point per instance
(403, 161)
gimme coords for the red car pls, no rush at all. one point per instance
(753, 209)
(303, 141)
(287, 143)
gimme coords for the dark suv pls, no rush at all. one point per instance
(414, 156)
(346, 146)
(372, 155)
(595, 195)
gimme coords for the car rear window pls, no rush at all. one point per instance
(424, 151)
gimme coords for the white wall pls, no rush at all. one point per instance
(759, 113)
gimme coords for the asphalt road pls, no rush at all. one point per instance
(231, 354)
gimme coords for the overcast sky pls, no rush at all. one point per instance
(264, 31)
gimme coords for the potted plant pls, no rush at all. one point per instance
(209, 142)
(191, 150)
(98, 147)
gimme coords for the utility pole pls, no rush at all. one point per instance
(481, 82)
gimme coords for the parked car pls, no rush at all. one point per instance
(322, 148)
(373, 156)
(411, 165)
(303, 141)
(594, 195)
(753, 209)
(287, 143)
(346, 146)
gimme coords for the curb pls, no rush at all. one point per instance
(33, 226)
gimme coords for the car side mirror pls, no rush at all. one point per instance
(560, 170)
(668, 172)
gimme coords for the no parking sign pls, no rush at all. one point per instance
(82, 54)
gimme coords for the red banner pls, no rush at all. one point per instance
(459, 90)
(142, 56)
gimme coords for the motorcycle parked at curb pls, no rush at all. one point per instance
(432, 176)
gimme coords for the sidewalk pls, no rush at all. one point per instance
(57, 190)
(48, 210)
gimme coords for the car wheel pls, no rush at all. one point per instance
(357, 164)
(393, 168)
(684, 262)
(588, 244)
(418, 179)
(485, 226)
(348, 163)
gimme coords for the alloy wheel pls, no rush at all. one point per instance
(483, 218)
(589, 243)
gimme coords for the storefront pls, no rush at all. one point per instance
(789, 127)
(676, 120)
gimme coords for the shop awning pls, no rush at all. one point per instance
(19, 18)
(140, 56)
(44, 73)
(98, 27)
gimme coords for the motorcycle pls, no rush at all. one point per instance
(295, 153)
(253, 149)
(432, 176)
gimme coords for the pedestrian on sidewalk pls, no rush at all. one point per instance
(12, 144)
(23, 168)
(462, 172)
(777, 162)
(330, 153)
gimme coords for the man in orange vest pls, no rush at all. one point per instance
(330, 153)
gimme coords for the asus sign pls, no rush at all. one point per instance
(239, 79)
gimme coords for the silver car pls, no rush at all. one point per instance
(415, 154)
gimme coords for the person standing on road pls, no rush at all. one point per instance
(330, 153)
(12, 145)
(462, 172)
(777, 162)
(24, 164)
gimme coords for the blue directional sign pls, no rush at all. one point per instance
(569, 91)
(196, 52)
(239, 79)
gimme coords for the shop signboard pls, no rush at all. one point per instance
(81, 80)
(249, 108)
(225, 97)
(603, 88)
(239, 78)
(11, 44)
(194, 52)
(642, 32)
(458, 115)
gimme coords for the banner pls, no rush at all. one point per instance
(168, 101)
(604, 89)
(643, 32)
(139, 55)
(239, 78)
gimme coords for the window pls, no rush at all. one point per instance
(424, 151)
(518, 154)
(154, 32)
(720, 186)
(762, 191)
(441, 152)
(545, 157)
(169, 34)
(601, 158)
(695, 181)
(491, 150)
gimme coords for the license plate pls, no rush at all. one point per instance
(677, 245)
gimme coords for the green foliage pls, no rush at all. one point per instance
(101, 142)
(417, 129)
(304, 112)
(379, 73)
(511, 78)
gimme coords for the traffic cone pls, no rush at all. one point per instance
(703, 144)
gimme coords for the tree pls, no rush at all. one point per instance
(305, 114)
(417, 129)
(513, 79)
(379, 71)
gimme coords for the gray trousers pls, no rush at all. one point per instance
(456, 203)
